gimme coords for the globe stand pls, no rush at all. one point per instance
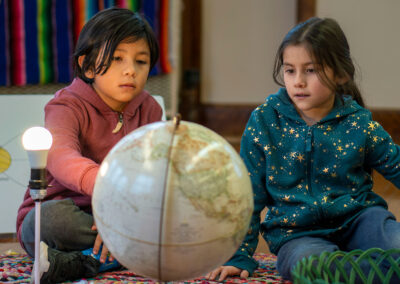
(177, 120)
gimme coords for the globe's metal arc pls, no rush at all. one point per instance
(176, 122)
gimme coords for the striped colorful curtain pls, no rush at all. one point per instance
(37, 37)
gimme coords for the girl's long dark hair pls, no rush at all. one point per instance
(328, 46)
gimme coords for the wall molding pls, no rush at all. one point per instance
(8, 237)
(230, 120)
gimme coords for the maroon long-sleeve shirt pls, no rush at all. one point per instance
(82, 127)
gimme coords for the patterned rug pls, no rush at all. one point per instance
(17, 268)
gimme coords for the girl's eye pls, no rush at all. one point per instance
(141, 62)
(289, 71)
(116, 58)
(310, 70)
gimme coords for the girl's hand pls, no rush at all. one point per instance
(97, 244)
(225, 271)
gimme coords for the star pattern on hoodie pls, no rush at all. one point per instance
(278, 152)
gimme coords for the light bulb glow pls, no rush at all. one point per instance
(37, 138)
(37, 142)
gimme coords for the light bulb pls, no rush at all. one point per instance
(37, 138)
(37, 142)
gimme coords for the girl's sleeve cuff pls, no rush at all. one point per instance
(243, 262)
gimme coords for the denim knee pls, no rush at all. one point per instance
(295, 250)
(375, 227)
(64, 226)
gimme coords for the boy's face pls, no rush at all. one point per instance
(311, 97)
(126, 76)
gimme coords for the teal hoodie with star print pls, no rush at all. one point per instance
(315, 180)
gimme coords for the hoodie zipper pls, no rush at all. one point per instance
(119, 123)
(309, 139)
(308, 153)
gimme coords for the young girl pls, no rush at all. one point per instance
(115, 51)
(310, 149)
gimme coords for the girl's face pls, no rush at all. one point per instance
(311, 97)
(126, 76)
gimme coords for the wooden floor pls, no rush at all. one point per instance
(6, 247)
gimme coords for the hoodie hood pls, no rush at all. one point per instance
(282, 103)
(88, 94)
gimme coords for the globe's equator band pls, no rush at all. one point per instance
(221, 237)
(176, 121)
(159, 244)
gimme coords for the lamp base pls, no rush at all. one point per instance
(38, 194)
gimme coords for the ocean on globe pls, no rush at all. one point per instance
(172, 201)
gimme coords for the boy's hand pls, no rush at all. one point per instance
(225, 271)
(97, 244)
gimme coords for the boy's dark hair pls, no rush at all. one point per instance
(328, 46)
(107, 29)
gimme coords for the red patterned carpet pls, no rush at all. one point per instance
(17, 268)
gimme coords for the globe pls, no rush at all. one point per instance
(172, 200)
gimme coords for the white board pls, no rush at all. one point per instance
(17, 113)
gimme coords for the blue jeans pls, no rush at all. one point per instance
(376, 227)
(64, 226)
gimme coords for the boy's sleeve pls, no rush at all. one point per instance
(252, 153)
(65, 160)
(382, 153)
